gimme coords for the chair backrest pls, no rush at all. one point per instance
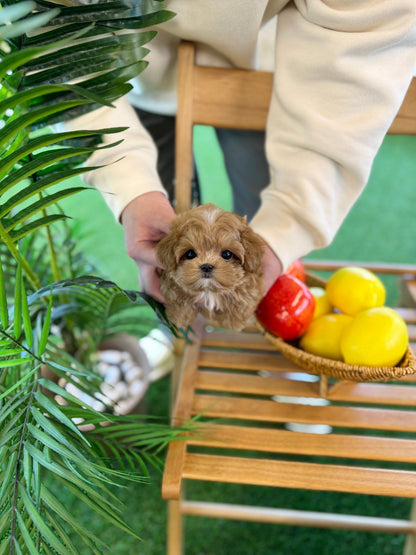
(234, 98)
(254, 394)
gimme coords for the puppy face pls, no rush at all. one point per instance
(210, 250)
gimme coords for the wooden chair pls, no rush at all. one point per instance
(233, 376)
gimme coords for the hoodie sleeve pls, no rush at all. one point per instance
(130, 167)
(342, 70)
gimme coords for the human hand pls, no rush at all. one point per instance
(272, 268)
(146, 220)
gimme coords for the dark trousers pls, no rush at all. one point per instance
(244, 157)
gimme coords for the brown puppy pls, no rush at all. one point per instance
(211, 263)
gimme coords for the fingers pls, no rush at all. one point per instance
(149, 282)
(146, 220)
(272, 268)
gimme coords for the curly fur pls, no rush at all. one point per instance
(211, 263)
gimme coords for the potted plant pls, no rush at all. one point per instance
(39, 437)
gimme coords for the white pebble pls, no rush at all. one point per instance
(102, 368)
(136, 388)
(122, 389)
(73, 389)
(110, 393)
(78, 421)
(125, 356)
(126, 365)
(122, 407)
(87, 399)
(101, 397)
(133, 374)
(112, 375)
(98, 405)
(60, 400)
(111, 356)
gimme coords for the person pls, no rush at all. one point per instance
(341, 70)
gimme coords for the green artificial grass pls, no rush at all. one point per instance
(380, 227)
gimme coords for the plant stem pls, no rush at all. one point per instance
(5, 237)
(18, 464)
(54, 265)
(21, 346)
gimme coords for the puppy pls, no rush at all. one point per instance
(211, 263)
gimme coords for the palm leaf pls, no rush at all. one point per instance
(30, 98)
(40, 446)
(15, 12)
(102, 298)
(39, 438)
(45, 141)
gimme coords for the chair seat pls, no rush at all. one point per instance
(258, 395)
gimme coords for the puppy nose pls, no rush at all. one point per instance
(206, 269)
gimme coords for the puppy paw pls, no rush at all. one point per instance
(181, 316)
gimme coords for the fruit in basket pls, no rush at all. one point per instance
(352, 290)
(287, 308)
(375, 337)
(297, 270)
(322, 304)
(323, 336)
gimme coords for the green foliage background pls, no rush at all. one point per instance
(48, 311)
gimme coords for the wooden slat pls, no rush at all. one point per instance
(299, 443)
(172, 476)
(298, 518)
(270, 411)
(174, 528)
(404, 395)
(273, 361)
(405, 121)
(173, 472)
(342, 391)
(183, 129)
(237, 340)
(408, 314)
(222, 98)
(412, 334)
(309, 476)
(255, 385)
(377, 267)
(411, 286)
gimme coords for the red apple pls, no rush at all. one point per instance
(297, 269)
(287, 308)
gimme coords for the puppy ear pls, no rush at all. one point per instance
(165, 251)
(254, 248)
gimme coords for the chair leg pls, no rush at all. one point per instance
(174, 529)
(410, 546)
(178, 348)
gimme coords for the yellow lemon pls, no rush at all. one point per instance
(323, 335)
(322, 304)
(352, 290)
(375, 337)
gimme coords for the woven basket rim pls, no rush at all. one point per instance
(338, 369)
(334, 368)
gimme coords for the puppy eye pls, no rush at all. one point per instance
(227, 255)
(189, 255)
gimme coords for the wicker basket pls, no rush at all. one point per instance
(336, 369)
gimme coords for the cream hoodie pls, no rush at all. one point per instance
(341, 70)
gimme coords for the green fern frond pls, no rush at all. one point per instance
(41, 444)
(39, 438)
